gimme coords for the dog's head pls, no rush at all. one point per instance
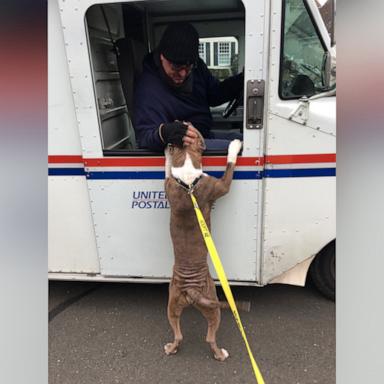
(195, 151)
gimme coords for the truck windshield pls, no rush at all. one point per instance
(303, 54)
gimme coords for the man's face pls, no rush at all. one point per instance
(177, 73)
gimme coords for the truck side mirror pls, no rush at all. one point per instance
(326, 72)
(329, 70)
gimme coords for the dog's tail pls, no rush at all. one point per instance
(196, 297)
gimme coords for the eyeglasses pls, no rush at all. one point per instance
(177, 67)
(180, 67)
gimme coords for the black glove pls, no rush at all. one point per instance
(173, 133)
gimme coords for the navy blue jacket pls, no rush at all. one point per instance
(157, 102)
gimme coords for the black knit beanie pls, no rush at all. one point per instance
(180, 43)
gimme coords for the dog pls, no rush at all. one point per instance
(191, 282)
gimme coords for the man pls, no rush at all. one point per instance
(173, 94)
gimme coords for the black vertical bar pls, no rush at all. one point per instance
(215, 54)
(208, 54)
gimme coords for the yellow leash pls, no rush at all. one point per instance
(224, 283)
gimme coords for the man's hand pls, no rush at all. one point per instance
(191, 134)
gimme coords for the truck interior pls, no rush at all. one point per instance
(121, 34)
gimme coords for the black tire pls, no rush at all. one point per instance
(323, 271)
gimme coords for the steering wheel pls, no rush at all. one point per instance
(232, 105)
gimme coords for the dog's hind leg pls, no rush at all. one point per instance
(213, 319)
(176, 304)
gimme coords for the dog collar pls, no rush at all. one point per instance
(191, 187)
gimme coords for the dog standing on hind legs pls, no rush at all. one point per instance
(191, 282)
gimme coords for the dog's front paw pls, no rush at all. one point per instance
(233, 150)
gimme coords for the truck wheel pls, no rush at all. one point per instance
(322, 271)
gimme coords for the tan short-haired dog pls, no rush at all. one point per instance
(191, 281)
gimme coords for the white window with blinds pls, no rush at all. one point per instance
(218, 52)
(224, 54)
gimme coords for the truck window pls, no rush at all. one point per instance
(120, 35)
(221, 54)
(303, 53)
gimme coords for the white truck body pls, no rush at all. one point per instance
(108, 213)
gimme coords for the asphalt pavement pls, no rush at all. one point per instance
(111, 333)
